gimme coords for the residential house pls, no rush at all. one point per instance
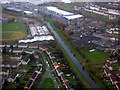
(113, 61)
(63, 78)
(34, 76)
(38, 63)
(8, 45)
(59, 71)
(2, 45)
(29, 51)
(1, 50)
(107, 71)
(56, 65)
(68, 86)
(26, 60)
(33, 46)
(113, 80)
(22, 45)
(118, 86)
(3, 81)
(39, 69)
(15, 45)
(13, 64)
(4, 72)
(29, 84)
(13, 77)
(16, 57)
(43, 49)
(36, 55)
(107, 64)
(17, 50)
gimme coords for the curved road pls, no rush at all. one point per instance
(75, 61)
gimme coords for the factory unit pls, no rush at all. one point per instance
(66, 15)
(38, 31)
(38, 34)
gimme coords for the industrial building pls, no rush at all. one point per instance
(66, 15)
(58, 11)
(72, 17)
(38, 31)
(14, 9)
(28, 12)
(38, 34)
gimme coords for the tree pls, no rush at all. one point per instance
(32, 58)
(4, 50)
(17, 80)
(93, 69)
(11, 47)
(71, 33)
(23, 53)
(11, 19)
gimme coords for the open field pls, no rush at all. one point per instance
(95, 57)
(13, 31)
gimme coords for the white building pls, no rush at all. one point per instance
(28, 12)
(58, 11)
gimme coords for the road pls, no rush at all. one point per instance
(48, 74)
(74, 59)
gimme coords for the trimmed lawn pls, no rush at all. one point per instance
(13, 31)
(48, 83)
(95, 57)
(21, 72)
(24, 67)
(57, 81)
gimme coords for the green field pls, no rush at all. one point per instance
(13, 31)
(95, 57)
(24, 67)
(48, 83)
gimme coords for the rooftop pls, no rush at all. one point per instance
(55, 9)
(72, 17)
(15, 9)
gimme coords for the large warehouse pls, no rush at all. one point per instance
(66, 15)
(72, 17)
(37, 31)
(58, 11)
(38, 34)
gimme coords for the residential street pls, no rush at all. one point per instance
(48, 74)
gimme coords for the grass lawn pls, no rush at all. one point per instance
(72, 81)
(48, 83)
(115, 66)
(24, 67)
(21, 72)
(48, 61)
(53, 72)
(57, 81)
(13, 31)
(24, 82)
(95, 57)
